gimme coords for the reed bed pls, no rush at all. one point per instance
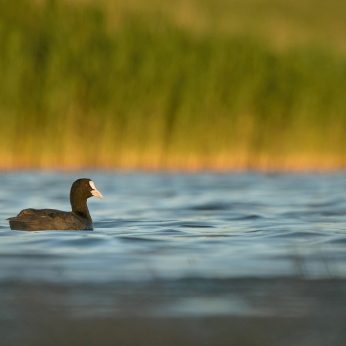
(78, 89)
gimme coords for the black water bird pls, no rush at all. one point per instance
(50, 219)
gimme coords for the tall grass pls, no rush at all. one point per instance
(144, 93)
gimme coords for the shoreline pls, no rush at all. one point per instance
(261, 164)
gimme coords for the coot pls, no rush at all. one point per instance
(50, 219)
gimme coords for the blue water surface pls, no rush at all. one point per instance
(171, 226)
(174, 244)
(177, 246)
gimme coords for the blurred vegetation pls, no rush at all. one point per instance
(114, 85)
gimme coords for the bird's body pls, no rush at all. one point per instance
(50, 219)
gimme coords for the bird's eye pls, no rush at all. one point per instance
(86, 185)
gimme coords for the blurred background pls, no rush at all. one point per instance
(173, 84)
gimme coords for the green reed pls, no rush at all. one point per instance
(75, 92)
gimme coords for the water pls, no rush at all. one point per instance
(172, 247)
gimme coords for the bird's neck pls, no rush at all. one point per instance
(80, 208)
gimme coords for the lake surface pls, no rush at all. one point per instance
(171, 254)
